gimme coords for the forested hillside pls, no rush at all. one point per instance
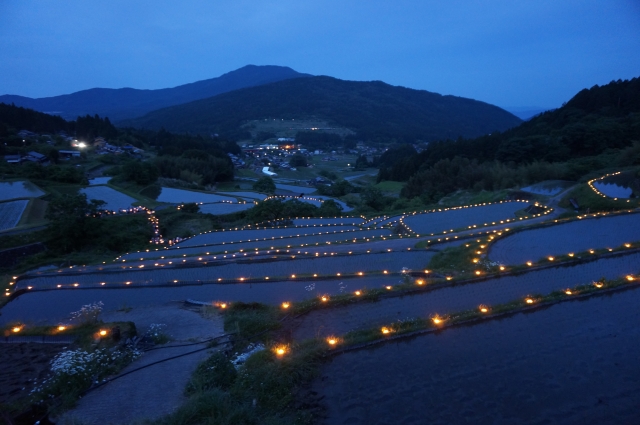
(566, 143)
(374, 110)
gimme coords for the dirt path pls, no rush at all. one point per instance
(159, 389)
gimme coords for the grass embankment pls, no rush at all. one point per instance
(262, 391)
(86, 336)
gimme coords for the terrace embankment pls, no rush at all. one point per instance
(574, 363)
(449, 298)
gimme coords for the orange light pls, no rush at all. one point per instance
(568, 292)
(449, 277)
(332, 341)
(420, 282)
(285, 305)
(484, 309)
(358, 293)
(598, 284)
(61, 328)
(103, 332)
(281, 350)
(16, 329)
(550, 258)
(437, 320)
(571, 254)
(324, 298)
(388, 287)
(293, 276)
(629, 278)
(385, 272)
(529, 263)
(502, 268)
(478, 272)
(529, 300)
(385, 330)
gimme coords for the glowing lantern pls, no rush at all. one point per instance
(385, 330)
(501, 268)
(483, 309)
(285, 305)
(478, 272)
(568, 292)
(550, 258)
(103, 332)
(324, 298)
(529, 263)
(61, 328)
(332, 341)
(388, 287)
(358, 293)
(529, 300)
(629, 278)
(437, 320)
(16, 329)
(598, 284)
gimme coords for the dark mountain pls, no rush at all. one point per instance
(372, 109)
(119, 104)
(526, 112)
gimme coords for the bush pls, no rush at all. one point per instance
(265, 185)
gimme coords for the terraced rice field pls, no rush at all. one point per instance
(245, 195)
(10, 213)
(56, 305)
(220, 237)
(19, 189)
(224, 208)
(573, 363)
(311, 221)
(296, 189)
(287, 268)
(114, 200)
(462, 217)
(561, 239)
(450, 299)
(179, 196)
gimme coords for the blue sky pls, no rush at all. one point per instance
(509, 53)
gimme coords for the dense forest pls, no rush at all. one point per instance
(374, 110)
(597, 128)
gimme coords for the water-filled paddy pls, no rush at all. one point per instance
(393, 262)
(573, 363)
(99, 181)
(293, 242)
(178, 196)
(333, 221)
(464, 297)
(548, 188)
(561, 239)
(438, 222)
(219, 237)
(20, 189)
(53, 306)
(617, 185)
(224, 208)
(247, 195)
(296, 189)
(10, 213)
(114, 200)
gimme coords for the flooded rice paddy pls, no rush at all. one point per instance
(211, 272)
(99, 181)
(572, 363)
(114, 200)
(447, 220)
(10, 213)
(616, 186)
(561, 239)
(224, 208)
(19, 189)
(344, 221)
(451, 299)
(179, 196)
(56, 305)
(548, 188)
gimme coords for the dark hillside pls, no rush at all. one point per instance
(372, 109)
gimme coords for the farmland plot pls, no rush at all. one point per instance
(465, 297)
(224, 208)
(114, 200)
(20, 189)
(246, 235)
(558, 365)
(461, 217)
(561, 239)
(55, 306)
(295, 242)
(179, 196)
(10, 213)
(333, 221)
(332, 265)
(245, 195)
(296, 189)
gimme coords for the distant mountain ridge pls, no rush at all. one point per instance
(372, 109)
(126, 103)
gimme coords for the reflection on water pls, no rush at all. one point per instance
(99, 180)
(548, 188)
(617, 186)
(572, 363)
(21, 189)
(177, 196)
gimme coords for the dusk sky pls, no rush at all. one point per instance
(510, 53)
